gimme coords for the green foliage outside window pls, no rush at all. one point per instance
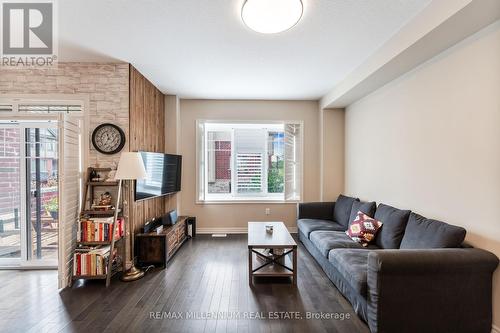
(276, 177)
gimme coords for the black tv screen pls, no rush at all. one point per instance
(163, 175)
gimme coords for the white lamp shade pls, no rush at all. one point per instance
(130, 166)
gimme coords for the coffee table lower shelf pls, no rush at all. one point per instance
(258, 265)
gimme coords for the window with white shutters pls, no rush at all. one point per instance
(240, 161)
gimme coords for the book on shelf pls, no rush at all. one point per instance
(91, 261)
(99, 229)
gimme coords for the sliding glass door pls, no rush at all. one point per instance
(29, 194)
(42, 192)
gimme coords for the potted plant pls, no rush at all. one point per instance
(52, 207)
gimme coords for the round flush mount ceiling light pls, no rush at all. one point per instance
(271, 16)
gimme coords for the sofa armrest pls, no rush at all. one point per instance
(434, 290)
(315, 210)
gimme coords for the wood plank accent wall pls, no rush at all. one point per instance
(147, 133)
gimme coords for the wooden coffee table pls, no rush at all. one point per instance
(259, 240)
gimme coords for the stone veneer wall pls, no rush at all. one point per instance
(107, 86)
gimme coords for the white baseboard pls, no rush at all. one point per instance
(233, 230)
(495, 329)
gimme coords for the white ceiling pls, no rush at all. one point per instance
(201, 49)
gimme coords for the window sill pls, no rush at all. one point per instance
(246, 201)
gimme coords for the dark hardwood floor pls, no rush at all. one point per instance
(208, 275)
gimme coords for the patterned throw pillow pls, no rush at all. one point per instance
(363, 229)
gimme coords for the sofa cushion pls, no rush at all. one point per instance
(342, 210)
(315, 210)
(363, 229)
(309, 225)
(394, 224)
(424, 233)
(324, 241)
(352, 264)
(366, 207)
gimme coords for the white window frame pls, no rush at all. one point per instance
(202, 166)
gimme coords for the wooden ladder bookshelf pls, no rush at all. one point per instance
(88, 196)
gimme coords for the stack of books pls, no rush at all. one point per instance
(91, 261)
(99, 229)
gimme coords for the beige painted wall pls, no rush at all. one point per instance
(235, 216)
(172, 137)
(430, 141)
(172, 124)
(332, 153)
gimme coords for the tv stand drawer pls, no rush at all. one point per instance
(159, 248)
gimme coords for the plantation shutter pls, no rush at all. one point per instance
(250, 147)
(6, 107)
(293, 165)
(69, 192)
(44, 109)
(35, 107)
(201, 150)
(210, 147)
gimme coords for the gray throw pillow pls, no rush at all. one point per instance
(424, 233)
(393, 228)
(342, 210)
(365, 207)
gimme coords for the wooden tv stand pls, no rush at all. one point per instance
(158, 248)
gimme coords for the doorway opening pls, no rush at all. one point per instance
(29, 193)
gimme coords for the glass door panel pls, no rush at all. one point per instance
(10, 193)
(42, 193)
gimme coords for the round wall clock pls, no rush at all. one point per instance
(108, 139)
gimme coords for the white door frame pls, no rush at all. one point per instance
(48, 99)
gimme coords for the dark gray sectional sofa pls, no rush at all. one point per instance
(417, 276)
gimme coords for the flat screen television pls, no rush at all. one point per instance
(163, 175)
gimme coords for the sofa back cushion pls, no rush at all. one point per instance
(342, 210)
(424, 233)
(393, 229)
(366, 207)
